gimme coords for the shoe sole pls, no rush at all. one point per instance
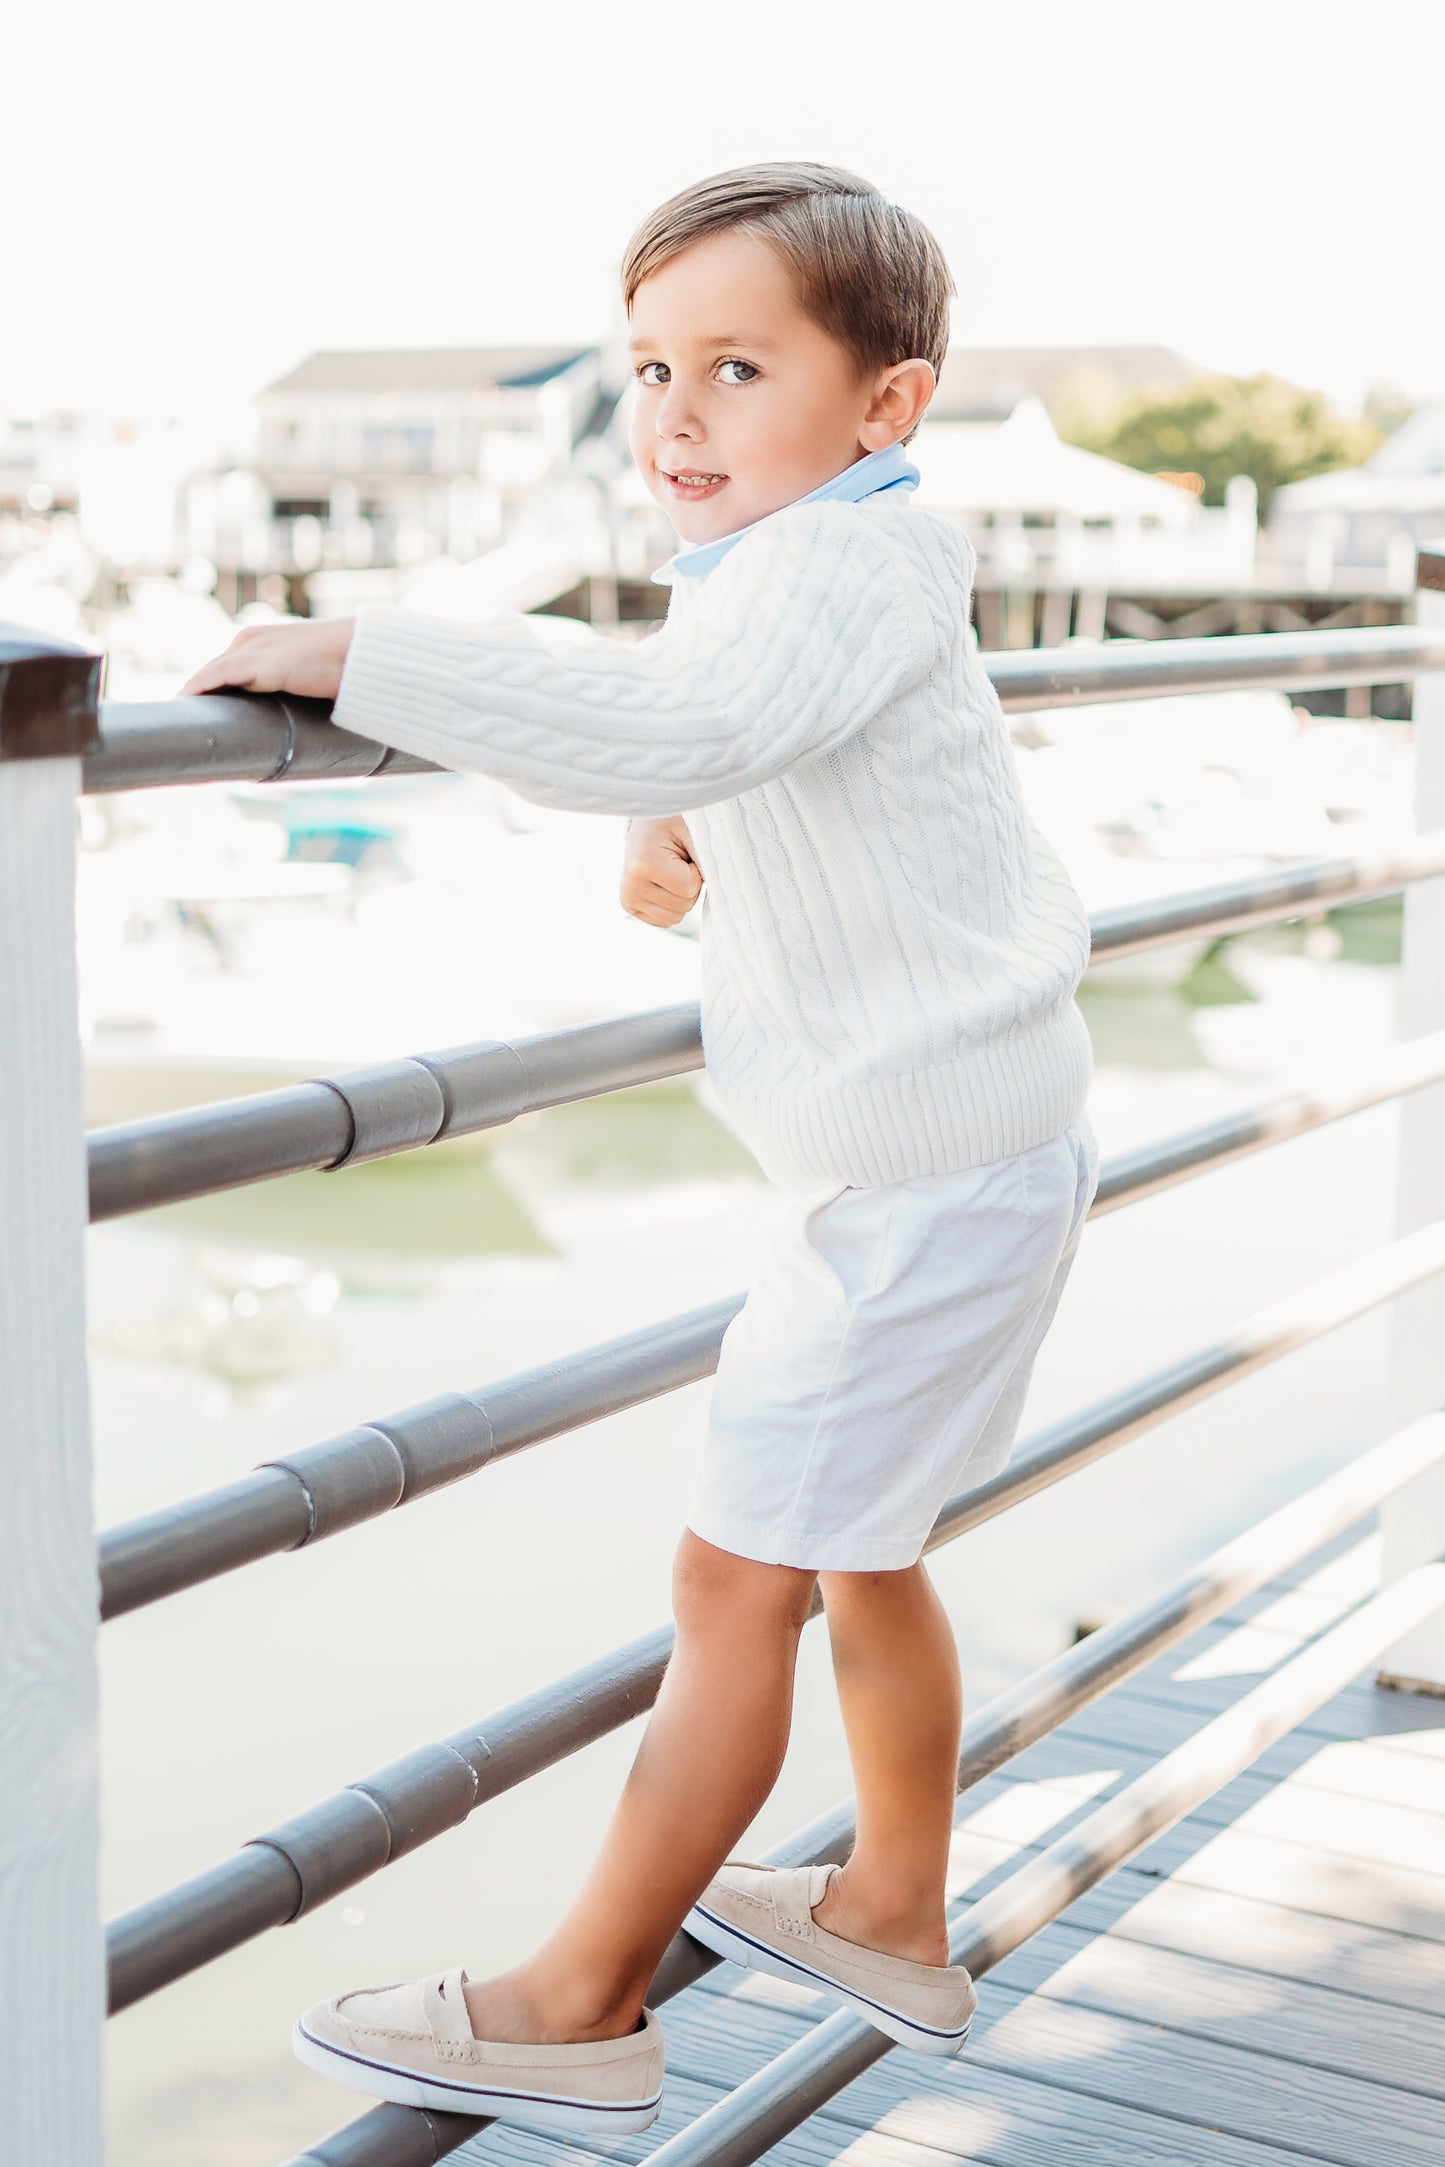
(754, 1955)
(404, 2088)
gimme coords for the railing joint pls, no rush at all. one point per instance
(438, 1442)
(395, 1106)
(288, 751)
(422, 1795)
(331, 1846)
(345, 1480)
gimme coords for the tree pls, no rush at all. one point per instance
(1220, 426)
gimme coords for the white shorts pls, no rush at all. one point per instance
(880, 1361)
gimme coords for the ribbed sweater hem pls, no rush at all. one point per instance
(995, 1102)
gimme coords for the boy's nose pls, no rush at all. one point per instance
(677, 415)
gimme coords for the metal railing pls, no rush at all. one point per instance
(234, 738)
(432, 1098)
(323, 1489)
(328, 1848)
(326, 1488)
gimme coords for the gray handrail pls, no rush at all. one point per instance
(1018, 1717)
(230, 737)
(331, 1846)
(1130, 1176)
(1083, 676)
(404, 1105)
(1293, 891)
(370, 1113)
(321, 1489)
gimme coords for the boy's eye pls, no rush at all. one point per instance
(654, 372)
(744, 372)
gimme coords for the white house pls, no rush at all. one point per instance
(395, 457)
(1370, 517)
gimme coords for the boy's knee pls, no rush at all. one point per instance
(842, 1591)
(708, 1583)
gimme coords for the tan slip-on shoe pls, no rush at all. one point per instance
(762, 1918)
(414, 2045)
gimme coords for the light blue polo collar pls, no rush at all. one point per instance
(867, 477)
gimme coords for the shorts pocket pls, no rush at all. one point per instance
(842, 1240)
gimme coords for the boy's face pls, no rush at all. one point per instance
(743, 403)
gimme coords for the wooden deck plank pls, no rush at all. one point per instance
(1358, 1767)
(1402, 1970)
(1001, 2120)
(1413, 1721)
(1400, 1722)
(1314, 2026)
(1219, 1986)
(1124, 2060)
(1364, 1715)
(509, 2145)
(1008, 2121)
(1229, 2088)
(1263, 1986)
(1239, 1863)
(1296, 1809)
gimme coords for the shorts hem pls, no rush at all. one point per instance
(821, 1554)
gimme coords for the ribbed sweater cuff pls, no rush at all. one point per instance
(401, 682)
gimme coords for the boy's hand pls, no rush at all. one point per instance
(660, 877)
(306, 659)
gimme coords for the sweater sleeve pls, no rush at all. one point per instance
(802, 633)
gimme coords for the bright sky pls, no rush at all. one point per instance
(199, 195)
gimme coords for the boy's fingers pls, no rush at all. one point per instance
(655, 906)
(649, 883)
(660, 895)
(678, 875)
(217, 676)
(305, 658)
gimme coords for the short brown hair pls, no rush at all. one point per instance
(869, 273)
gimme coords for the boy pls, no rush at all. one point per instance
(890, 955)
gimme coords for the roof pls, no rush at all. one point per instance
(1021, 465)
(1406, 474)
(1417, 447)
(429, 368)
(986, 383)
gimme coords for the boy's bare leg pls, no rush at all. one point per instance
(898, 1681)
(709, 1758)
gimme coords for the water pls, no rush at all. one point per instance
(228, 1330)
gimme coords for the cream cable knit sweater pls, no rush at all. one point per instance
(890, 949)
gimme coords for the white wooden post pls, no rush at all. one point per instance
(1414, 1521)
(52, 1999)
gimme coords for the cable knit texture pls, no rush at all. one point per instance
(890, 948)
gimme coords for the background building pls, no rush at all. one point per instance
(395, 458)
(1368, 518)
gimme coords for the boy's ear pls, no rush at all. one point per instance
(896, 408)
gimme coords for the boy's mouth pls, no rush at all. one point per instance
(692, 485)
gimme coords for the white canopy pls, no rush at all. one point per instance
(1022, 465)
